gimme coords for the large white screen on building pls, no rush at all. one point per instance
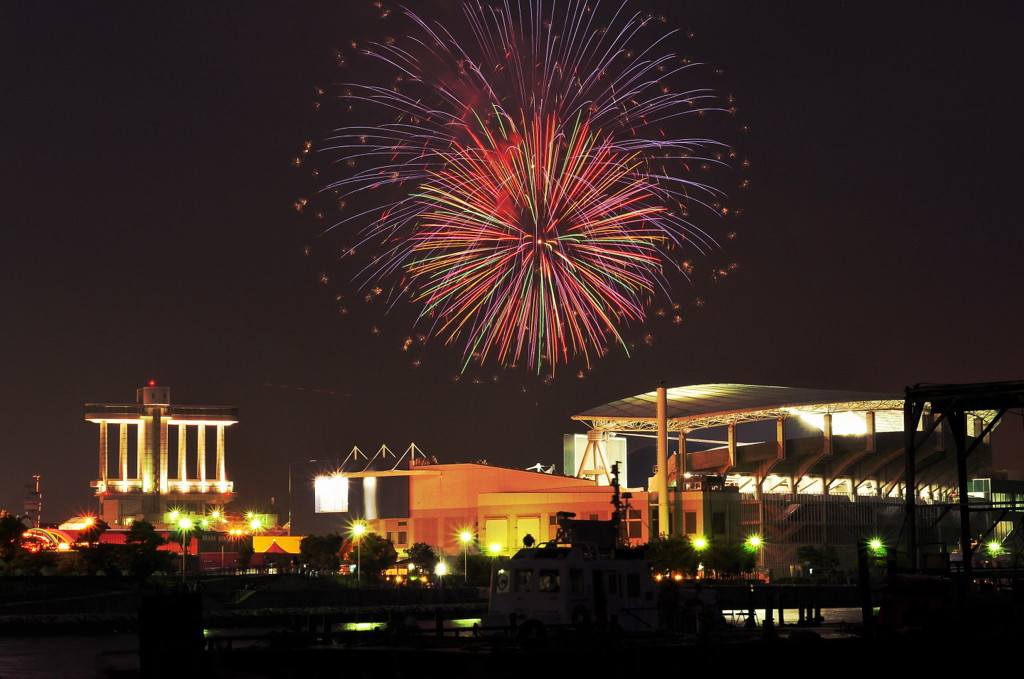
(330, 494)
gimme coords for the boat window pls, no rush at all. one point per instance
(576, 580)
(502, 582)
(549, 581)
(523, 577)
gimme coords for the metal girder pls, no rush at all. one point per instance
(846, 461)
(690, 424)
(953, 403)
(693, 423)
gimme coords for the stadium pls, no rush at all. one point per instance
(812, 467)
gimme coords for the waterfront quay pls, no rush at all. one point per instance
(290, 626)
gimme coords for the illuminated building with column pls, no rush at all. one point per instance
(154, 456)
(801, 467)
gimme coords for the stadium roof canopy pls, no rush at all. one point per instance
(700, 406)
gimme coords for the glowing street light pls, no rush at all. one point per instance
(185, 527)
(465, 537)
(995, 548)
(358, 530)
(700, 543)
(441, 570)
(753, 543)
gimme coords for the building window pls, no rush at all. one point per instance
(690, 523)
(403, 537)
(718, 523)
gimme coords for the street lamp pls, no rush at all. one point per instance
(699, 543)
(184, 528)
(358, 530)
(465, 537)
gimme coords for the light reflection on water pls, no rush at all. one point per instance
(78, 657)
(458, 623)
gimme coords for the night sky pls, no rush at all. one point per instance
(149, 233)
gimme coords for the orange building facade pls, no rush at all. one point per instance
(497, 506)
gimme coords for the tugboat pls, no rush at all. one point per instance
(583, 579)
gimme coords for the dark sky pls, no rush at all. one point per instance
(148, 232)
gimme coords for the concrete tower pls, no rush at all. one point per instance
(145, 469)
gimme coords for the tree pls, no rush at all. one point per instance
(12, 532)
(143, 534)
(820, 560)
(672, 553)
(90, 535)
(142, 555)
(322, 552)
(423, 556)
(729, 559)
(95, 555)
(245, 551)
(375, 554)
(478, 567)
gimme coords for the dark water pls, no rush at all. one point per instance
(65, 656)
(81, 657)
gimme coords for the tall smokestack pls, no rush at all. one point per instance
(661, 479)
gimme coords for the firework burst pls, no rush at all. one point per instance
(526, 191)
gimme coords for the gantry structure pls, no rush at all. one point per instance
(154, 457)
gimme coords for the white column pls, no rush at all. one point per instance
(681, 466)
(201, 454)
(182, 456)
(163, 454)
(143, 471)
(733, 443)
(661, 479)
(103, 452)
(222, 475)
(122, 450)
